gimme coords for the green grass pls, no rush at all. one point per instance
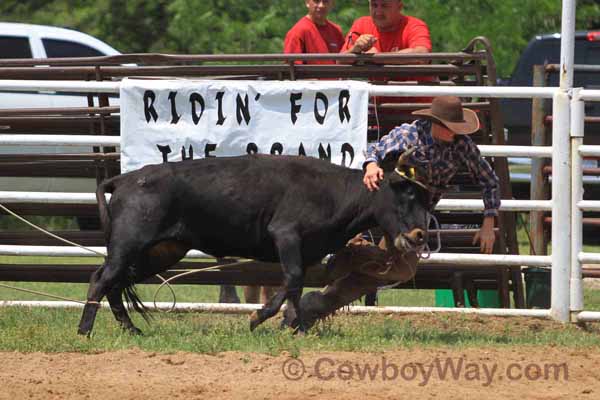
(49, 260)
(519, 168)
(8, 222)
(187, 293)
(52, 330)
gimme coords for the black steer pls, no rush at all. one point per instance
(293, 210)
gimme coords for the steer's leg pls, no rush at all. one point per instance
(288, 244)
(114, 277)
(115, 299)
(90, 308)
(100, 284)
(154, 261)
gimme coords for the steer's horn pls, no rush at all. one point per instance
(403, 159)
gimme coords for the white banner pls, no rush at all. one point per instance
(175, 119)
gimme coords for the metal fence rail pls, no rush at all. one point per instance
(567, 123)
(578, 205)
(443, 259)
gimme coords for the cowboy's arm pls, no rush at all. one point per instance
(395, 141)
(484, 174)
(486, 236)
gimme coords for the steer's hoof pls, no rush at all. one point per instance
(299, 333)
(301, 328)
(84, 332)
(133, 331)
(287, 323)
(254, 320)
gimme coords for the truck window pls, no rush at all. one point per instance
(592, 57)
(15, 47)
(56, 48)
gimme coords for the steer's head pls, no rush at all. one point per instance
(404, 202)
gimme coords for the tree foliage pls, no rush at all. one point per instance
(233, 26)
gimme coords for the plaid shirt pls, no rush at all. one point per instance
(445, 159)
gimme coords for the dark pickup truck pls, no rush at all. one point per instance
(542, 50)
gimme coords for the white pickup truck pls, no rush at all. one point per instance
(38, 41)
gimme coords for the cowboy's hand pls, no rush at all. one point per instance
(363, 43)
(486, 236)
(373, 174)
(358, 240)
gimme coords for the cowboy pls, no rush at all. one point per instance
(441, 141)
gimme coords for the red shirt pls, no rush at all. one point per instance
(411, 32)
(308, 37)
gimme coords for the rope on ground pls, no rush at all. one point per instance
(164, 281)
(39, 228)
(41, 293)
(167, 281)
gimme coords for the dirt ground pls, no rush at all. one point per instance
(507, 373)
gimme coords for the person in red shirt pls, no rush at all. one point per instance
(387, 30)
(314, 33)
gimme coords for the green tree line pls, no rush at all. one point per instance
(235, 26)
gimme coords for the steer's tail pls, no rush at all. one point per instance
(133, 301)
(131, 296)
(107, 186)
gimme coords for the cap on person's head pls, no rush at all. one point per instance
(448, 111)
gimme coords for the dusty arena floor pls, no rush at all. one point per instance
(495, 373)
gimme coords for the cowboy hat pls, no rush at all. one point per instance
(448, 111)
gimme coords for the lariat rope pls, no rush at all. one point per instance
(39, 228)
(164, 281)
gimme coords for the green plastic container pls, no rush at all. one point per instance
(537, 287)
(486, 298)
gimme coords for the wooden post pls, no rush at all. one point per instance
(539, 186)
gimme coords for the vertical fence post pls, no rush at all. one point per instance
(577, 132)
(538, 189)
(561, 175)
(561, 207)
(567, 44)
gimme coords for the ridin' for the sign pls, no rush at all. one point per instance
(276, 149)
(242, 107)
